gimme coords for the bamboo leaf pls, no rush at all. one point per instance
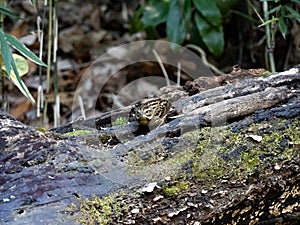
(15, 78)
(268, 21)
(282, 26)
(19, 46)
(5, 52)
(21, 64)
(6, 11)
(294, 14)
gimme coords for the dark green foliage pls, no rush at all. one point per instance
(177, 21)
(6, 56)
(209, 26)
(180, 17)
(7, 12)
(281, 12)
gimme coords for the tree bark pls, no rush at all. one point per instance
(41, 173)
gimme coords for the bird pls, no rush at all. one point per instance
(151, 112)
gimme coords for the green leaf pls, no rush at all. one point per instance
(9, 62)
(294, 13)
(282, 23)
(5, 52)
(268, 21)
(19, 83)
(282, 26)
(176, 24)
(15, 43)
(275, 9)
(150, 15)
(6, 11)
(21, 64)
(187, 11)
(209, 10)
(211, 36)
(155, 12)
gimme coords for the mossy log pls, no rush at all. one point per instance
(229, 156)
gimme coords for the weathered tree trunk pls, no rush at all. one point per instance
(41, 173)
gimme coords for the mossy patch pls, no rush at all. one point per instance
(98, 210)
(176, 188)
(119, 121)
(236, 155)
(77, 133)
(41, 129)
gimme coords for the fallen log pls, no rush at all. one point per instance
(229, 155)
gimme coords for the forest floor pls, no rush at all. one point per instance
(89, 30)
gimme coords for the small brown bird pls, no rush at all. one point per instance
(150, 112)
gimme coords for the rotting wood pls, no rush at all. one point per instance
(41, 172)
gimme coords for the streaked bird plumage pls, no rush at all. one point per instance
(150, 112)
